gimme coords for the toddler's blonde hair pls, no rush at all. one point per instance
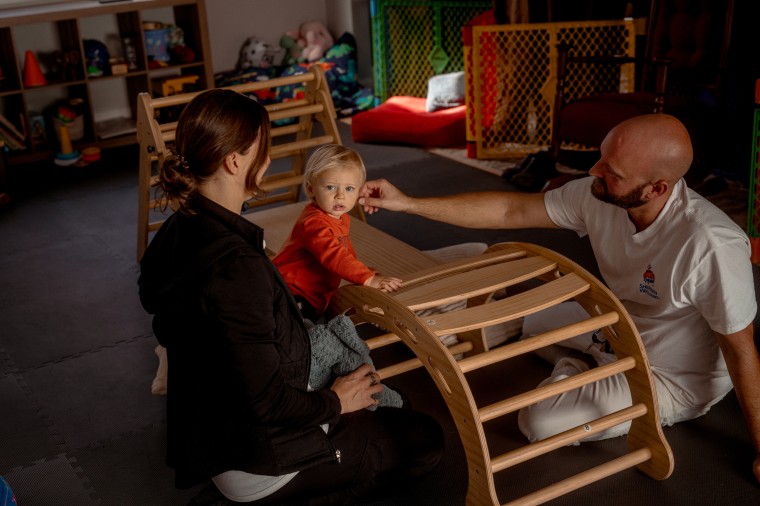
(331, 156)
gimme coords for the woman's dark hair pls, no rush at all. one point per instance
(214, 124)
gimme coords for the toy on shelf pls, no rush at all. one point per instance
(168, 86)
(67, 155)
(179, 51)
(165, 44)
(96, 56)
(70, 115)
(67, 63)
(156, 44)
(33, 75)
(91, 154)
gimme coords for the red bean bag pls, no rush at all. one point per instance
(404, 120)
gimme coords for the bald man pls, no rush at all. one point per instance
(680, 266)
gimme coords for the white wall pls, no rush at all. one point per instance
(230, 22)
(353, 16)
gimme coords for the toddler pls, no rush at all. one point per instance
(318, 254)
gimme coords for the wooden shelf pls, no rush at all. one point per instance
(64, 28)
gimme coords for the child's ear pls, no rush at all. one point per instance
(309, 190)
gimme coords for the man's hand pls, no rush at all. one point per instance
(380, 194)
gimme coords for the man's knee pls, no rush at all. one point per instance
(536, 422)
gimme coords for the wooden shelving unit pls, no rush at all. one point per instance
(108, 101)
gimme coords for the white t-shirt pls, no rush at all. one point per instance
(683, 278)
(239, 486)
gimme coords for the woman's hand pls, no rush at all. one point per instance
(355, 390)
(383, 283)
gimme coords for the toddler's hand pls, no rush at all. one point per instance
(385, 284)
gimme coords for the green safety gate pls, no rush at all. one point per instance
(414, 40)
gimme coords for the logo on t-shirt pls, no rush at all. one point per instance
(647, 286)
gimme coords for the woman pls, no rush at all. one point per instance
(239, 410)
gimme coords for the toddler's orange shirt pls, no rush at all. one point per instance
(317, 255)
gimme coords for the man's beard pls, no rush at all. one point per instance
(630, 200)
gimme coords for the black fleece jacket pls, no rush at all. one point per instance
(237, 348)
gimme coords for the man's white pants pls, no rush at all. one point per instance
(584, 404)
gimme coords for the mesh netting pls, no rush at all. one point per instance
(414, 40)
(513, 77)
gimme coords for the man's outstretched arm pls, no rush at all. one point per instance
(487, 210)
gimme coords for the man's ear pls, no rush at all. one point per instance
(659, 187)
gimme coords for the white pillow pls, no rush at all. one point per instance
(444, 91)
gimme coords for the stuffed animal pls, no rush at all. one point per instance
(257, 53)
(292, 46)
(307, 44)
(317, 40)
(336, 350)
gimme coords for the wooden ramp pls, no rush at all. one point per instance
(535, 278)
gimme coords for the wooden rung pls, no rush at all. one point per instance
(284, 106)
(380, 341)
(166, 127)
(562, 487)
(153, 180)
(154, 225)
(168, 136)
(416, 363)
(278, 181)
(538, 341)
(281, 197)
(183, 98)
(489, 258)
(567, 437)
(548, 390)
(471, 283)
(168, 130)
(281, 81)
(510, 308)
(292, 148)
(295, 112)
(286, 130)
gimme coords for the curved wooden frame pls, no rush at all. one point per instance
(558, 279)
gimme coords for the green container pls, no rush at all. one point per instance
(414, 40)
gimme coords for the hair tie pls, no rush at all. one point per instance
(183, 162)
